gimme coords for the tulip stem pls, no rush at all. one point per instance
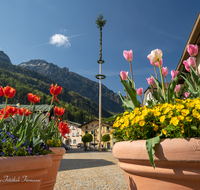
(193, 81)
(163, 86)
(196, 67)
(141, 100)
(4, 110)
(155, 72)
(166, 81)
(131, 74)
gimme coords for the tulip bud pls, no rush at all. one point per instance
(174, 74)
(192, 49)
(161, 63)
(124, 75)
(150, 80)
(139, 91)
(155, 55)
(128, 55)
(164, 71)
(177, 88)
(187, 94)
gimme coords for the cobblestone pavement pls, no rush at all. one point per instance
(90, 170)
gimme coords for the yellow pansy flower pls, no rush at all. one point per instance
(142, 123)
(181, 117)
(185, 112)
(164, 131)
(174, 121)
(162, 118)
(188, 119)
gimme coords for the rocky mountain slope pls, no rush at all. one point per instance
(77, 83)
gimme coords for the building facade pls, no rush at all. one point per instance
(92, 127)
(74, 137)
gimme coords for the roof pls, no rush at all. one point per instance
(42, 107)
(194, 38)
(92, 121)
(71, 122)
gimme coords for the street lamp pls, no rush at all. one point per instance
(100, 23)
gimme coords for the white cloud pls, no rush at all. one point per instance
(63, 31)
(59, 40)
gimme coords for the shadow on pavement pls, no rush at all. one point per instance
(81, 150)
(72, 164)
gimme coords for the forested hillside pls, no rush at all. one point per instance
(78, 108)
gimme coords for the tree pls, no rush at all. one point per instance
(105, 138)
(87, 138)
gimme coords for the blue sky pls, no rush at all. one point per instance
(27, 27)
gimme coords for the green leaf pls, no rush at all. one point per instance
(43, 136)
(193, 127)
(131, 92)
(127, 104)
(112, 118)
(150, 144)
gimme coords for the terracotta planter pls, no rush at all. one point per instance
(49, 180)
(24, 172)
(177, 164)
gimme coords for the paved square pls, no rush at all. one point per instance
(90, 170)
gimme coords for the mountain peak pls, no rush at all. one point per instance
(77, 83)
(4, 57)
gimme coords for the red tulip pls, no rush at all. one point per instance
(7, 92)
(64, 129)
(10, 111)
(128, 55)
(22, 110)
(59, 111)
(192, 49)
(33, 98)
(55, 90)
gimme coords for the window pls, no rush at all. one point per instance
(72, 134)
(74, 141)
(77, 134)
(92, 132)
(68, 134)
(92, 125)
(86, 127)
(73, 127)
(108, 127)
(86, 132)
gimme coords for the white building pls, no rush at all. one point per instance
(74, 137)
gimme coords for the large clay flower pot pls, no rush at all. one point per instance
(177, 164)
(23, 172)
(49, 180)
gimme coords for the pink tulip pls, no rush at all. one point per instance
(150, 80)
(174, 74)
(155, 55)
(161, 63)
(187, 66)
(164, 71)
(128, 55)
(177, 88)
(192, 49)
(124, 75)
(187, 94)
(139, 91)
(191, 61)
(152, 63)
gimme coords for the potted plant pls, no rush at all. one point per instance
(160, 142)
(61, 129)
(24, 150)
